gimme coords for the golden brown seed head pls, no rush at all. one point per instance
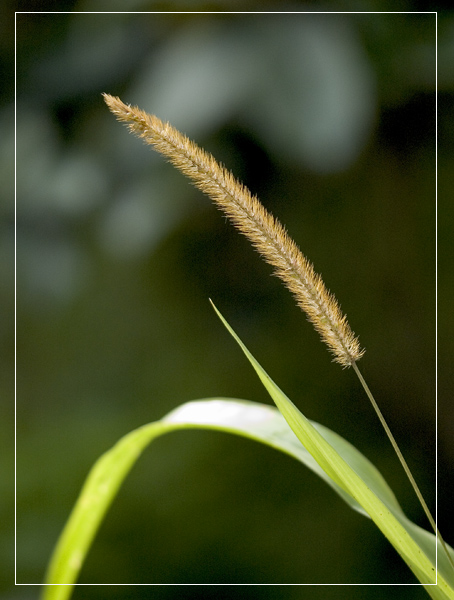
(247, 213)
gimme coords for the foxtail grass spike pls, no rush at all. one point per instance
(247, 213)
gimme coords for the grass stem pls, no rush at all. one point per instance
(402, 461)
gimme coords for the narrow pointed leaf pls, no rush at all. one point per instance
(382, 509)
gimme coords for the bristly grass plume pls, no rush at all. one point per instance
(247, 213)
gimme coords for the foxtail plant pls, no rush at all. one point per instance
(336, 461)
(271, 240)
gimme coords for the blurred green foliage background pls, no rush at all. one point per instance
(330, 119)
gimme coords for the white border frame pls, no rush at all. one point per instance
(436, 291)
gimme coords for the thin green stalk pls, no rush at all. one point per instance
(402, 461)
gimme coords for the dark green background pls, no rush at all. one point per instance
(330, 119)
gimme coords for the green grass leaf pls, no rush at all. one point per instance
(327, 454)
(415, 545)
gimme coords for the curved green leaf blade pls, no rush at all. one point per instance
(258, 422)
(386, 514)
(249, 419)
